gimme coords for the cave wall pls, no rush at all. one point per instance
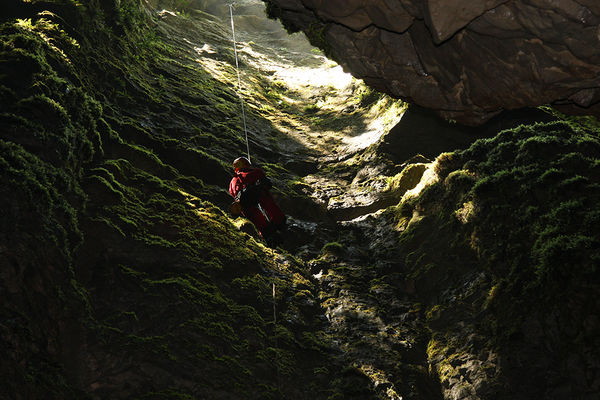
(121, 277)
(468, 60)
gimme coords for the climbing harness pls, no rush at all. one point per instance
(237, 68)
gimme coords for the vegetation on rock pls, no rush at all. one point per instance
(506, 241)
(122, 276)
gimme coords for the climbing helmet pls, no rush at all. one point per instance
(241, 163)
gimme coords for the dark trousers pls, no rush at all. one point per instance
(274, 216)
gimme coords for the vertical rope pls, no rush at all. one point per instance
(274, 304)
(275, 333)
(237, 68)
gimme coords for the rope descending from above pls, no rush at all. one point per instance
(237, 68)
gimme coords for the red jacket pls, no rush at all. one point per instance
(244, 177)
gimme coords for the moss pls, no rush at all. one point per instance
(332, 248)
(434, 312)
(173, 245)
(407, 179)
(539, 174)
(48, 136)
(496, 186)
(316, 33)
(503, 237)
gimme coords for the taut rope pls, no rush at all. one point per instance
(237, 68)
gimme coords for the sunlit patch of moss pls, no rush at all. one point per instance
(437, 351)
(586, 121)
(50, 32)
(407, 179)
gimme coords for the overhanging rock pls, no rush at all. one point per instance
(468, 60)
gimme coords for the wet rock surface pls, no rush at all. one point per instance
(468, 60)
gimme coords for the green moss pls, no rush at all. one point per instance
(332, 248)
(542, 151)
(316, 33)
(516, 217)
(317, 342)
(137, 200)
(48, 135)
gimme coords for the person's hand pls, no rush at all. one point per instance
(235, 208)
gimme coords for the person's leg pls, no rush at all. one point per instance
(272, 209)
(257, 218)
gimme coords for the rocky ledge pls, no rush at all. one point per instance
(468, 60)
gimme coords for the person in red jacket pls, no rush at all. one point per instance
(250, 189)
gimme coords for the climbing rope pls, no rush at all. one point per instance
(274, 304)
(237, 68)
(275, 334)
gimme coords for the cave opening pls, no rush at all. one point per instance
(422, 258)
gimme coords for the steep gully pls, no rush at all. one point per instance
(376, 328)
(352, 170)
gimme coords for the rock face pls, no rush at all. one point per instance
(468, 60)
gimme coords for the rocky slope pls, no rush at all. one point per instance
(404, 274)
(468, 60)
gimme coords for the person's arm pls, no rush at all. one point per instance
(235, 186)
